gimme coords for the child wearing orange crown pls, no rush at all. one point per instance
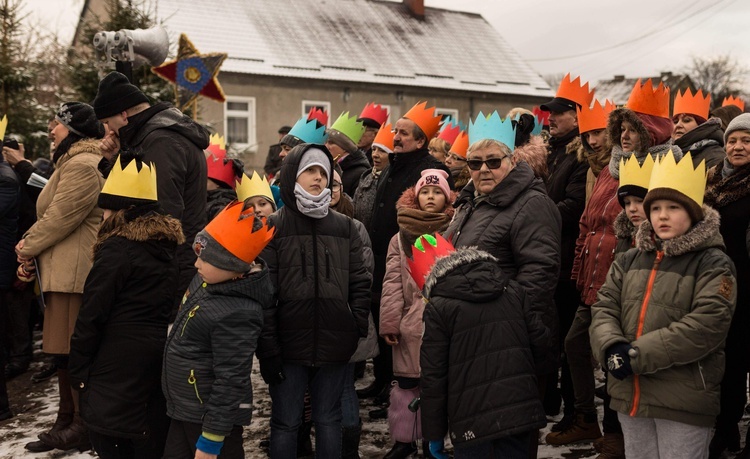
(209, 352)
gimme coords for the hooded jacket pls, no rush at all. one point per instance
(119, 337)
(704, 142)
(352, 167)
(480, 351)
(673, 302)
(322, 284)
(518, 224)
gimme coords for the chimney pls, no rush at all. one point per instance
(665, 75)
(619, 78)
(416, 8)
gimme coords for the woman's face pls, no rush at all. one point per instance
(313, 180)
(629, 137)
(455, 162)
(436, 153)
(336, 189)
(59, 133)
(634, 210)
(379, 159)
(486, 179)
(738, 148)
(597, 140)
(431, 199)
(683, 123)
(285, 149)
(262, 207)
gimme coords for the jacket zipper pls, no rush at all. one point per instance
(328, 264)
(190, 315)
(304, 262)
(194, 382)
(315, 279)
(639, 330)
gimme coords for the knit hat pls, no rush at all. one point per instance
(79, 118)
(314, 157)
(115, 95)
(340, 139)
(434, 177)
(740, 123)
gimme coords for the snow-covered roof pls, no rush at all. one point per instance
(368, 41)
(619, 88)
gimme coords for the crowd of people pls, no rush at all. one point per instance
(484, 270)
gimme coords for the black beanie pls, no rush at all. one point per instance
(79, 118)
(115, 95)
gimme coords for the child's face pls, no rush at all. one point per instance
(213, 275)
(262, 207)
(669, 219)
(431, 199)
(634, 210)
(313, 180)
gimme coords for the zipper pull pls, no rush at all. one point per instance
(193, 382)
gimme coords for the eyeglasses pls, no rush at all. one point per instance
(335, 186)
(492, 163)
(455, 157)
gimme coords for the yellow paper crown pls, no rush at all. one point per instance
(217, 140)
(3, 126)
(131, 182)
(634, 174)
(681, 176)
(697, 104)
(255, 185)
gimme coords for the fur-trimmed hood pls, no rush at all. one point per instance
(475, 275)
(623, 227)
(652, 130)
(150, 227)
(703, 235)
(408, 200)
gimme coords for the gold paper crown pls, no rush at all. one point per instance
(736, 101)
(255, 185)
(634, 174)
(425, 118)
(575, 91)
(681, 176)
(697, 104)
(3, 126)
(649, 101)
(591, 119)
(131, 182)
(217, 139)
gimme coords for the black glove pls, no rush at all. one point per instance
(618, 360)
(272, 370)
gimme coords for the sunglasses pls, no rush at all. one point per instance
(492, 163)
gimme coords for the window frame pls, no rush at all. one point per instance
(307, 104)
(250, 114)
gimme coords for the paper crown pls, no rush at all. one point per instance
(217, 145)
(349, 126)
(541, 115)
(384, 138)
(736, 101)
(319, 115)
(492, 127)
(681, 176)
(375, 112)
(309, 131)
(219, 167)
(232, 228)
(3, 127)
(460, 145)
(698, 104)
(425, 118)
(649, 101)
(427, 249)
(449, 131)
(591, 119)
(634, 174)
(573, 90)
(131, 182)
(255, 185)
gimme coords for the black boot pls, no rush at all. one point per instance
(350, 441)
(373, 390)
(725, 438)
(304, 444)
(65, 412)
(401, 451)
(384, 397)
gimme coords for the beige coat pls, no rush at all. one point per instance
(67, 220)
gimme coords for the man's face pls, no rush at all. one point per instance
(367, 138)
(115, 122)
(403, 139)
(597, 140)
(560, 123)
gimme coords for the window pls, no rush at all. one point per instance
(310, 104)
(239, 122)
(446, 112)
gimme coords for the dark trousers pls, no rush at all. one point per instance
(383, 362)
(513, 447)
(17, 306)
(567, 299)
(120, 448)
(611, 422)
(184, 435)
(733, 387)
(4, 402)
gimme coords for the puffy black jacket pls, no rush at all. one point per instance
(704, 142)
(481, 340)
(323, 287)
(352, 167)
(519, 225)
(9, 203)
(209, 353)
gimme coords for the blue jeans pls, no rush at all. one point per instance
(349, 400)
(513, 447)
(326, 385)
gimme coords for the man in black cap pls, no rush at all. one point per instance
(273, 160)
(171, 141)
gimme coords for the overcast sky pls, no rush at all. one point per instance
(594, 39)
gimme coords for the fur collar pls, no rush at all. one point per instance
(90, 146)
(624, 228)
(444, 265)
(703, 235)
(145, 228)
(722, 191)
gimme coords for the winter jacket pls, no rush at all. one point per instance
(323, 287)
(353, 166)
(217, 200)
(364, 198)
(209, 353)
(367, 347)
(480, 350)
(9, 203)
(174, 143)
(566, 186)
(519, 225)
(595, 247)
(673, 302)
(119, 337)
(67, 220)
(704, 142)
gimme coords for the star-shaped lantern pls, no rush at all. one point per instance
(193, 74)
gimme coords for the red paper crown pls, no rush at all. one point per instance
(591, 119)
(219, 167)
(319, 115)
(460, 145)
(697, 104)
(427, 249)
(232, 228)
(384, 137)
(449, 133)
(541, 115)
(425, 118)
(573, 90)
(649, 101)
(736, 101)
(375, 112)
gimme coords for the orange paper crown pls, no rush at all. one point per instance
(449, 133)
(649, 101)
(736, 101)
(384, 138)
(573, 90)
(697, 104)
(427, 249)
(425, 118)
(319, 115)
(232, 228)
(591, 119)
(375, 112)
(460, 145)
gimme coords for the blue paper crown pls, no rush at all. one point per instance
(537, 124)
(449, 121)
(492, 127)
(309, 131)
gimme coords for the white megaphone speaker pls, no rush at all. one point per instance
(139, 46)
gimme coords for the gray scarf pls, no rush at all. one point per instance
(727, 170)
(312, 206)
(656, 151)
